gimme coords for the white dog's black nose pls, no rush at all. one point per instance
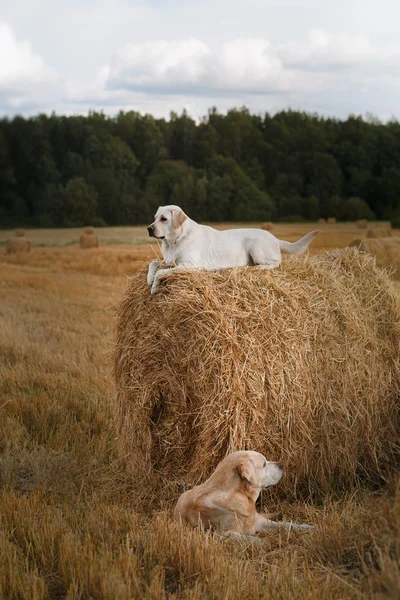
(150, 229)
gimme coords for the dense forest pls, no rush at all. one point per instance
(71, 171)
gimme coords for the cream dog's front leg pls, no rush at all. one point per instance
(263, 524)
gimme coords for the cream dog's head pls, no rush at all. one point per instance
(168, 221)
(255, 469)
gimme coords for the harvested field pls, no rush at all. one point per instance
(67, 236)
(107, 260)
(337, 235)
(302, 364)
(379, 232)
(68, 526)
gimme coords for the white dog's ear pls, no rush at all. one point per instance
(178, 218)
(247, 471)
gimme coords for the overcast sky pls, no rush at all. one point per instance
(334, 57)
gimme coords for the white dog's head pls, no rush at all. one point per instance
(168, 221)
(254, 468)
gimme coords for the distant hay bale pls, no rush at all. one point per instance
(331, 220)
(362, 223)
(20, 232)
(17, 244)
(379, 232)
(301, 363)
(268, 226)
(88, 230)
(321, 221)
(88, 240)
(386, 251)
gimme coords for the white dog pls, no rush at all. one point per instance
(226, 501)
(188, 245)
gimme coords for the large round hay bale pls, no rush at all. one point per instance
(20, 232)
(88, 230)
(379, 232)
(301, 363)
(17, 244)
(89, 240)
(267, 226)
(386, 251)
(331, 221)
(362, 223)
(321, 221)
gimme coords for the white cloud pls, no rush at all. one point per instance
(160, 64)
(330, 52)
(160, 56)
(191, 66)
(254, 66)
(21, 70)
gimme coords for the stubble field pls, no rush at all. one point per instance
(68, 527)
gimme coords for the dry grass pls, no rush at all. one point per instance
(20, 232)
(379, 232)
(302, 364)
(67, 525)
(331, 221)
(386, 251)
(107, 260)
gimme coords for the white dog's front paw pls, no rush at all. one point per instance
(151, 273)
(155, 287)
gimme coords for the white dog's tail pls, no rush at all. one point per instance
(300, 246)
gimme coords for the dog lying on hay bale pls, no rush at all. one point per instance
(189, 245)
(301, 363)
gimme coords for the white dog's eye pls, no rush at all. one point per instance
(163, 219)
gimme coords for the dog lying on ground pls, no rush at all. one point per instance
(226, 501)
(188, 245)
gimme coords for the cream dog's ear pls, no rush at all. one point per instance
(178, 218)
(247, 471)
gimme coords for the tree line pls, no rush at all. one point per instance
(70, 171)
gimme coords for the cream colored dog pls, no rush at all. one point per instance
(188, 245)
(226, 501)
